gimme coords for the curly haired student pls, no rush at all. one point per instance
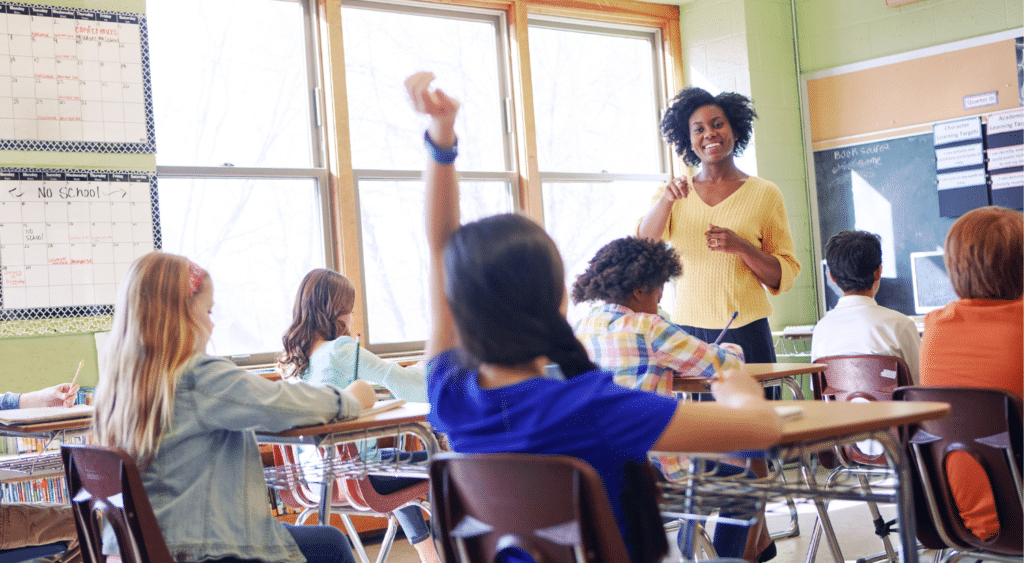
(625, 334)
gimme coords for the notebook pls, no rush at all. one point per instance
(45, 414)
(382, 406)
(788, 412)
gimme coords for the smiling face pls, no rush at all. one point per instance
(711, 135)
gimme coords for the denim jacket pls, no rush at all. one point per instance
(206, 482)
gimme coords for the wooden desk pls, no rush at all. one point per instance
(823, 426)
(406, 419)
(48, 429)
(766, 374)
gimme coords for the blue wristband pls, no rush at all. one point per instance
(441, 156)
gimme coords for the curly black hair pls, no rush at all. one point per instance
(675, 124)
(623, 265)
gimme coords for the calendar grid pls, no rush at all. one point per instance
(68, 236)
(74, 80)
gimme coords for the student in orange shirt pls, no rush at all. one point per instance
(978, 340)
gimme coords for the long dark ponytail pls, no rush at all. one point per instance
(504, 283)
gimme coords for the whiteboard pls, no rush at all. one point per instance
(74, 80)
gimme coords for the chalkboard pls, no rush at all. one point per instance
(894, 177)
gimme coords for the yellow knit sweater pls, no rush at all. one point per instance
(715, 284)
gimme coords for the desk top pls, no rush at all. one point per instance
(760, 372)
(823, 420)
(49, 426)
(407, 413)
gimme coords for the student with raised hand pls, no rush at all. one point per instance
(857, 324)
(625, 334)
(319, 349)
(497, 298)
(188, 420)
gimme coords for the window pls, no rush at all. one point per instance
(597, 100)
(242, 186)
(384, 44)
(267, 169)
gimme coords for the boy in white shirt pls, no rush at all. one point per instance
(858, 325)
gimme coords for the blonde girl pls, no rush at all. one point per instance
(188, 420)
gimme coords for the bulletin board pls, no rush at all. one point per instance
(872, 148)
(74, 80)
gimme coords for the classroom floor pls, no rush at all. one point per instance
(851, 521)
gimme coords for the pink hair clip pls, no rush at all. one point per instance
(195, 277)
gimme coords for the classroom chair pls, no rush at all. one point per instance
(554, 508)
(351, 496)
(858, 378)
(105, 482)
(28, 553)
(986, 424)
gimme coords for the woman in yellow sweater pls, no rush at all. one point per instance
(730, 229)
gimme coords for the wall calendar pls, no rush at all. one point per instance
(67, 238)
(74, 80)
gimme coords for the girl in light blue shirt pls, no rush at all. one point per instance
(319, 348)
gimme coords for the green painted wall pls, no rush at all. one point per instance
(747, 46)
(38, 361)
(839, 32)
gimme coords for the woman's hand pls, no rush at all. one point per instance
(363, 392)
(677, 188)
(439, 106)
(62, 395)
(766, 267)
(721, 239)
(737, 389)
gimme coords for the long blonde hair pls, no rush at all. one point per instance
(152, 340)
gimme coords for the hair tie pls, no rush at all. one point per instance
(195, 277)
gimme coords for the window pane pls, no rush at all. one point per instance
(230, 83)
(257, 238)
(594, 99)
(382, 48)
(584, 217)
(395, 251)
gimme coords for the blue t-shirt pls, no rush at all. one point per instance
(588, 417)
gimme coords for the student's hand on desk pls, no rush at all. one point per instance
(737, 389)
(62, 395)
(363, 392)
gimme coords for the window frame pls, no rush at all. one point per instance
(525, 176)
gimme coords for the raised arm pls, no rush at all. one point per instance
(442, 203)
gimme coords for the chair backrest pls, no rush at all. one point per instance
(31, 552)
(552, 507)
(105, 482)
(986, 424)
(859, 378)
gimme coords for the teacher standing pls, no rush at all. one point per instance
(730, 229)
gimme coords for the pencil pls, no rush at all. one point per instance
(355, 371)
(727, 325)
(78, 371)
